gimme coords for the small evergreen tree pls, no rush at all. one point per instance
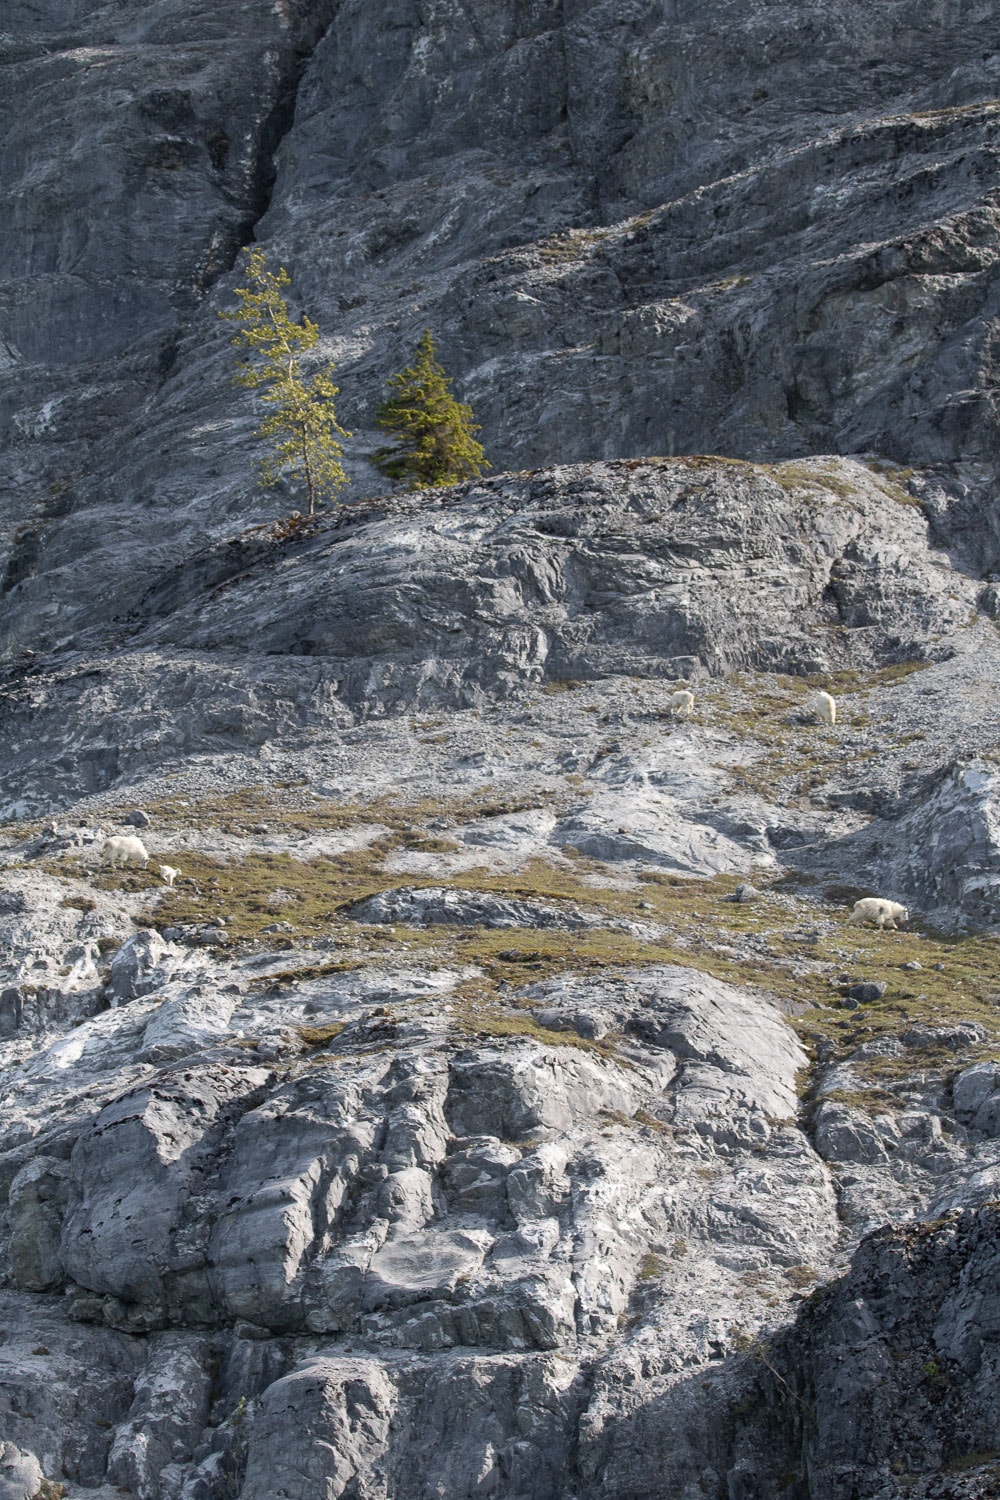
(434, 445)
(302, 428)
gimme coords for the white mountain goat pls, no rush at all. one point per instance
(879, 912)
(681, 704)
(824, 706)
(168, 874)
(125, 849)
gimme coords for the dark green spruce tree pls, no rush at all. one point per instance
(434, 434)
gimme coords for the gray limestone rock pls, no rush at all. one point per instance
(656, 262)
(432, 905)
(476, 1177)
(843, 1134)
(957, 1038)
(169, 1412)
(366, 1215)
(63, 1390)
(188, 1020)
(940, 851)
(465, 600)
(11, 1010)
(973, 1086)
(36, 1206)
(136, 1223)
(346, 1420)
(512, 1096)
(327, 1422)
(20, 1474)
(896, 1359)
(637, 546)
(976, 1098)
(136, 968)
(867, 992)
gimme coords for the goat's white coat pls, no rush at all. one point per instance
(681, 704)
(168, 874)
(879, 911)
(825, 708)
(125, 849)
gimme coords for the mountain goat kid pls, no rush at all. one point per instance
(168, 874)
(681, 704)
(879, 912)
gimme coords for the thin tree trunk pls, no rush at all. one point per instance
(309, 474)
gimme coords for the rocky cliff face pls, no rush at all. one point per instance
(497, 1103)
(750, 230)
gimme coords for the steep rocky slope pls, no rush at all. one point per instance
(440, 1129)
(498, 1104)
(757, 230)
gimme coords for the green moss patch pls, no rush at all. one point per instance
(857, 682)
(799, 942)
(963, 988)
(651, 1266)
(303, 974)
(872, 1101)
(295, 810)
(476, 1011)
(806, 474)
(130, 880)
(796, 757)
(321, 1036)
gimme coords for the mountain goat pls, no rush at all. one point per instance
(825, 708)
(125, 849)
(681, 704)
(879, 912)
(168, 874)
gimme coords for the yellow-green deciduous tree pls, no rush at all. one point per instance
(301, 427)
(434, 432)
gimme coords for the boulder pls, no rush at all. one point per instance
(137, 967)
(21, 1476)
(439, 905)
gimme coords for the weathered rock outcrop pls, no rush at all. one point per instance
(886, 1385)
(410, 1198)
(665, 568)
(942, 848)
(572, 571)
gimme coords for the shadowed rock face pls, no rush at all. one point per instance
(759, 231)
(447, 1130)
(890, 1376)
(136, 158)
(773, 226)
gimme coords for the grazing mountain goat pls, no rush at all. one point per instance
(825, 708)
(681, 704)
(168, 874)
(125, 849)
(879, 912)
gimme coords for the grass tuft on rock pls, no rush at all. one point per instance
(791, 944)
